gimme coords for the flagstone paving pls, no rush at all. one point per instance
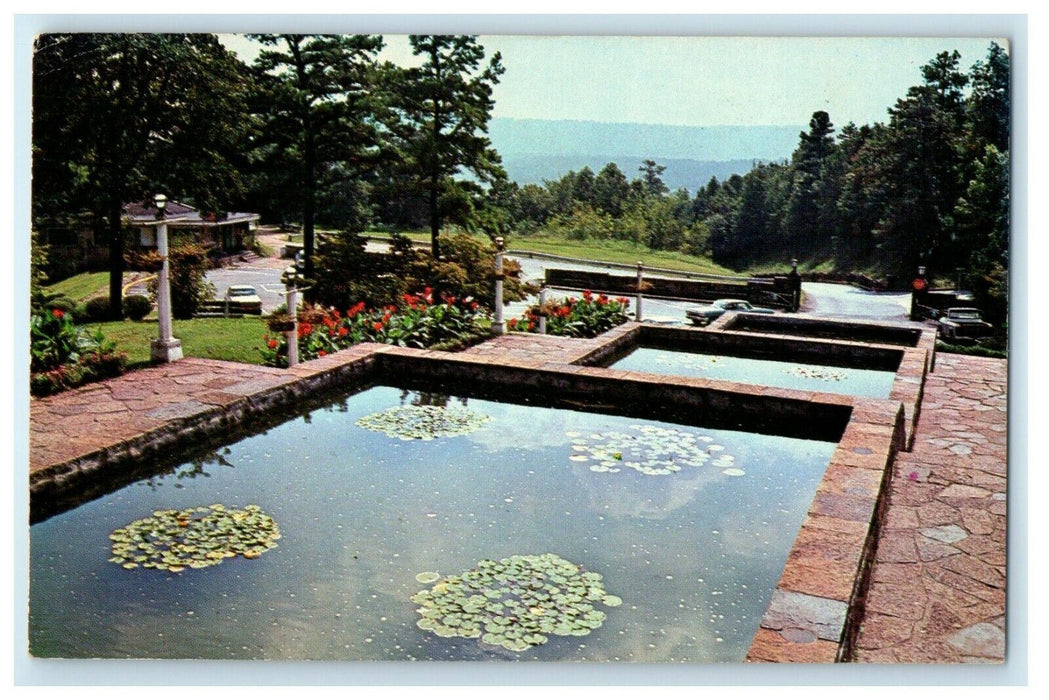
(937, 592)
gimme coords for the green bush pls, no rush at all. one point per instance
(188, 265)
(93, 311)
(62, 303)
(137, 307)
(63, 355)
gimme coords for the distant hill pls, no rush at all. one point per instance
(535, 150)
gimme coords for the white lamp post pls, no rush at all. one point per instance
(498, 327)
(165, 348)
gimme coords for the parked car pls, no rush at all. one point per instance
(243, 299)
(705, 315)
(963, 322)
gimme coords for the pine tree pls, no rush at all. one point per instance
(445, 105)
(318, 109)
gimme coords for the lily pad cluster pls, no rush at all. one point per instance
(648, 449)
(423, 422)
(685, 360)
(824, 374)
(196, 538)
(515, 603)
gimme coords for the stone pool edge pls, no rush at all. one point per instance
(819, 598)
(817, 604)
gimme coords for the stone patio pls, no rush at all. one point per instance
(937, 591)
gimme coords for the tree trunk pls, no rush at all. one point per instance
(310, 203)
(116, 262)
(435, 221)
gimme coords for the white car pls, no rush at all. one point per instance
(242, 298)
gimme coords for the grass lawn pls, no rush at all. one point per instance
(597, 250)
(82, 286)
(233, 339)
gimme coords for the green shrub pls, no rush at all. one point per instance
(137, 307)
(93, 311)
(63, 355)
(62, 303)
(188, 265)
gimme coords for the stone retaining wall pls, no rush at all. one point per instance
(813, 610)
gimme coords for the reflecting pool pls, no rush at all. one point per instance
(626, 540)
(786, 375)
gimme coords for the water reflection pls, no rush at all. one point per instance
(694, 553)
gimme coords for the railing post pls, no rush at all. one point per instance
(498, 327)
(795, 286)
(542, 309)
(292, 299)
(637, 303)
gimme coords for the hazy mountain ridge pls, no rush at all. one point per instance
(535, 150)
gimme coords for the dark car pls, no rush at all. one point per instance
(707, 314)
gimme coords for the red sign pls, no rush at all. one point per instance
(919, 284)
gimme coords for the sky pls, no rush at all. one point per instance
(700, 81)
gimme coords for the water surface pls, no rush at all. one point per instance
(787, 375)
(694, 554)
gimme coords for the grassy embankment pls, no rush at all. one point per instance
(612, 251)
(81, 287)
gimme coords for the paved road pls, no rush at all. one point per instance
(265, 279)
(828, 300)
(840, 300)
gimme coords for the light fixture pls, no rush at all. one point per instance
(161, 201)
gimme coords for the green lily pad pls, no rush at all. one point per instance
(423, 422)
(195, 538)
(514, 603)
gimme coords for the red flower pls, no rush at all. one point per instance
(587, 294)
(343, 330)
(513, 323)
(409, 299)
(377, 325)
(473, 306)
(272, 344)
(58, 313)
(623, 300)
(321, 353)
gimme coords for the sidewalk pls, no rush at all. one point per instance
(938, 585)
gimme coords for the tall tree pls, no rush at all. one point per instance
(811, 220)
(611, 190)
(988, 105)
(318, 109)
(117, 117)
(652, 178)
(921, 170)
(446, 104)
